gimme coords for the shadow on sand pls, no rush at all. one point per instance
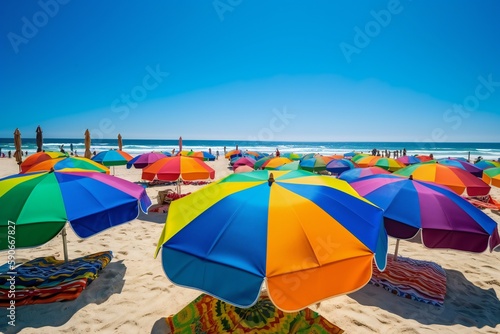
(153, 217)
(465, 304)
(110, 281)
(160, 327)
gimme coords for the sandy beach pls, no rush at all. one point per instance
(133, 295)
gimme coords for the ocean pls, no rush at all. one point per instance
(138, 146)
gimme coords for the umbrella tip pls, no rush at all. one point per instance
(411, 177)
(51, 170)
(271, 179)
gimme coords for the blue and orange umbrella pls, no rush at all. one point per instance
(294, 230)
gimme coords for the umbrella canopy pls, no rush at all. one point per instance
(178, 167)
(244, 161)
(446, 220)
(408, 160)
(474, 170)
(424, 158)
(360, 156)
(205, 156)
(275, 162)
(233, 153)
(315, 164)
(357, 173)
(243, 169)
(294, 230)
(143, 160)
(87, 153)
(294, 165)
(455, 178)
(40, 205)
(18, 154)
(492, 176)
(349, 155)
(376, 161)
(82, 164)
(112, 158)
(39, 139)
(39, 157)
(120, 142)
(485, 164)
(339, 166)
(292, 156)
(259, 163)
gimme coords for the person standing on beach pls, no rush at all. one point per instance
(277, 152)
(217, 155)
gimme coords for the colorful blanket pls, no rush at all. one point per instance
(47, 280)
(414, 279)
(207, 314)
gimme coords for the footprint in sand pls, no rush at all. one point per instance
(123, 252)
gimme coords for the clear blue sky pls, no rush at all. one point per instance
(240, 69)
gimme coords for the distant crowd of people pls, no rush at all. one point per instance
(387, 154)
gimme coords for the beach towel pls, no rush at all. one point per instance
(207, 314)
(47, 280)
(418, 280)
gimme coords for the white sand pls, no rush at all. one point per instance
(133, 295)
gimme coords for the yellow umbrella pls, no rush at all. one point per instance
(87, 154)
(18, 154)
(120, 143)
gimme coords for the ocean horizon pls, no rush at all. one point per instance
(137, 146)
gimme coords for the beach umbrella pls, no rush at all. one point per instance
(492, 176)
(65, 163)
(376, 161)
(474, 170)
(120, 142)
(143, 160)
(293, 230)
(259, 163)
(334, 157)
(243, 169)
(349, 155)
(357, 173)
(18, 154)
(455, 178)
(87, 153)
(408, 160)
(39, 157)
(275, 162)
(112, 158)
(315, 164)
(40, 205)
(39, 139)
(256, 155)
(203, 155)
(229, 155)
(294, 165)
(424, 158)
(308, 156)
(360, 156)
(178, 168)
(445, 219)
(339, 166)
(292, 156)
(207, 314)
(485, 164)
(247, 161)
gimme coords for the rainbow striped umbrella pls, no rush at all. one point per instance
(376, 161)
(294, 230)
(275, 162)
(474, 170)
(69, 163)
(492, 176)
(40, 205)
(356, 173)
(292, 156)
(178, 167)
(408, 160)
(485, 164)
(143, 160)
(39, 157)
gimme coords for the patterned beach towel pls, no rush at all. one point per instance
(207, 314)
(414, 279)
(46, 280)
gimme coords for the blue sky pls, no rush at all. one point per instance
(239, 69)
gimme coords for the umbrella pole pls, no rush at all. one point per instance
(395, 258)
(65, 246)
